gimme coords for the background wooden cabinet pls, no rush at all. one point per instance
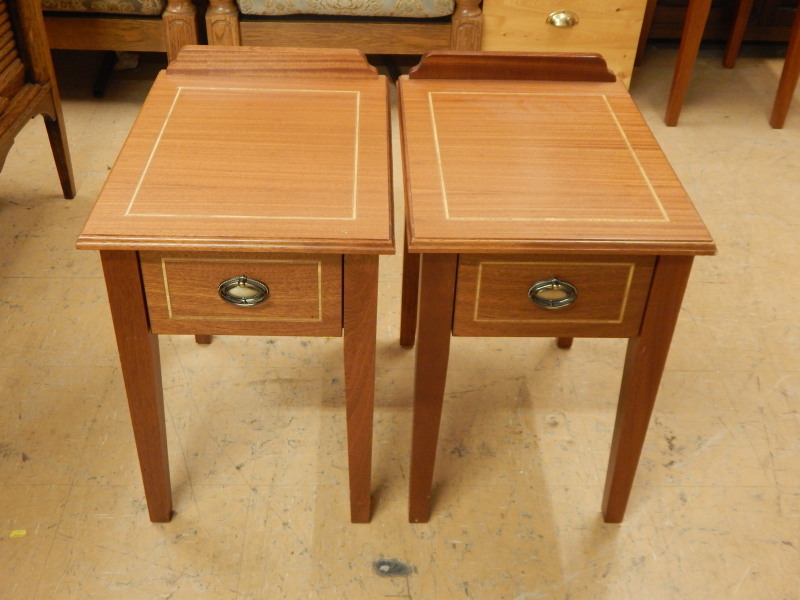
(609, 28)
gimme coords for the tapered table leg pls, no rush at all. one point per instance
(437, 292)
(789, 77)
(57, 135)
(695, 24)
(141, 370)
(410, 293)
(737, 33)
(360, 321)
(644, 365)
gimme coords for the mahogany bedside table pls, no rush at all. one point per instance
(538, 203)
(252, 197)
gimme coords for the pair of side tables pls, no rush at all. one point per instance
(253, 197)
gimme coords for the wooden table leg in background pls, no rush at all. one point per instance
(644, 365)
(789, 76)
(141, 370)
(695, 24)
(410, 293)
(435, 319)
(360, 322)
(564, 343)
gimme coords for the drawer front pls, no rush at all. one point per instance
(304, 293)
(492, 295)
(608, 28)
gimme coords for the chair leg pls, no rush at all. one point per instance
(104, 74)
(565, 343)
(695, 24)
(789, 77)
(57, 134)
(647, 23)
(737, 33)
(410, 296)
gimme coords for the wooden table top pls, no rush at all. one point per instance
(237, 162)
(538, 166)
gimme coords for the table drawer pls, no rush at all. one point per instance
(304, 293)
(492, 295)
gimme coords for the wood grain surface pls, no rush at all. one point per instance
(539, 166)
(609, 28)
(239, 162)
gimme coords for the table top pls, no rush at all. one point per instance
(538, 166)
(227, 160)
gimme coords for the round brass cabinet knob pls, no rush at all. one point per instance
(552, 293)
(562, 18)
(243, 291)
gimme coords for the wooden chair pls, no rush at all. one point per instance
(122, 25)
(694, 25)
(28, 85)
(226, 24)
(791, 66)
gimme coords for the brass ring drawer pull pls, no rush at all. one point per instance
(552, 293)
(562, 18)
(243, 291)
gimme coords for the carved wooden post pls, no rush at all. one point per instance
(222, 23)
(180, 24)
(467, 26)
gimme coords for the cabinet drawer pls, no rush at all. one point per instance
(492, 295)
(304, 293)
(608, 28)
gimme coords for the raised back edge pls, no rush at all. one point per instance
(540, 66)
(272, 62)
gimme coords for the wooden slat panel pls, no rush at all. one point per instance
(7, 43)
(10, 119)
(8, 54)
(12, 78)
(5, 21)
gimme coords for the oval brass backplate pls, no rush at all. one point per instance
(243, 291)
(552, 293)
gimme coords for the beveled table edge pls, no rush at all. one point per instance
(304, 246)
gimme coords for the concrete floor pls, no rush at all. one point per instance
(256, 425)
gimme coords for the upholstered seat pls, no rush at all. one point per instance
(372, 26)
(414, 9)
(112, 7)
